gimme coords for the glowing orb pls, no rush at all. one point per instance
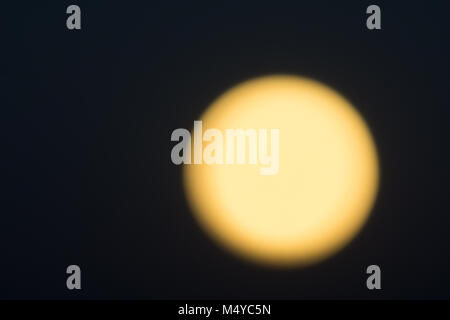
(323, 191)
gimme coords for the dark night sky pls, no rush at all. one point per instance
(87, 115)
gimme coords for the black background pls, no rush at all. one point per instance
(87, 115)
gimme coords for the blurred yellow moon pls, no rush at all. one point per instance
(323, 191)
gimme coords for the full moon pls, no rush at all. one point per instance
(323, 191)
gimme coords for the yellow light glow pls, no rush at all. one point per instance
(324, 189)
